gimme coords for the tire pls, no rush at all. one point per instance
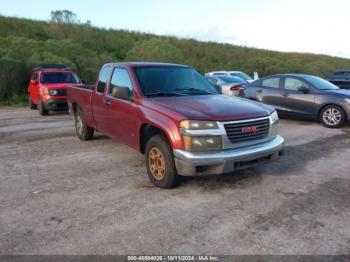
(41, 108)
(160, 163)
(83, 131)
(32, 106)
(332, 116)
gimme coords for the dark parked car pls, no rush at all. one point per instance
(340, 79)
(228, 85)
(307, 96)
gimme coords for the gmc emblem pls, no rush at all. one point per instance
(250, 129)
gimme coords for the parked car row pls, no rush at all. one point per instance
(306, 96)
(294, 95)
(180, 120)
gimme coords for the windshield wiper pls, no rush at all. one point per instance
(164, 94)
(195, 90)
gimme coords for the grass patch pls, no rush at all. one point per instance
(16, 100)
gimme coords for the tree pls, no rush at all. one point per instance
(64, 17)
(25, 43)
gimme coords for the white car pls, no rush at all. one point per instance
(240, 74)
(228, 85)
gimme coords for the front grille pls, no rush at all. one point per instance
(61, 92)
(247, 131)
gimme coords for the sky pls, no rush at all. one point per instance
(313, 26)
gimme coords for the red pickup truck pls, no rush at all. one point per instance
(174, 116)
(48, 87)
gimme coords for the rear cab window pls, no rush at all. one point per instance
(103, 79)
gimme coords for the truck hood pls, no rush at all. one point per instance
(211, 107)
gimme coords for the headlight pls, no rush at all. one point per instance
(198, 125)
(274, 117)
(202, 143)
(53, 92)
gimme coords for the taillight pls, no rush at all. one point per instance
(236, 88)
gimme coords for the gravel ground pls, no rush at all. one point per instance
(59, 195)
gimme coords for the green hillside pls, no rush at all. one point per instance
(25, 43)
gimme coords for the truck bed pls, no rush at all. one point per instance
(81, 95)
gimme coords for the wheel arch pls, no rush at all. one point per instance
(75, 106)
(146, 132)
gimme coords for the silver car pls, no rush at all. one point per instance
(228, 85)
(240, 74)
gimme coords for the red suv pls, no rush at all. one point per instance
(48, 87)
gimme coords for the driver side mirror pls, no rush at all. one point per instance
(34, 82)
(304, 89)
(121, 92)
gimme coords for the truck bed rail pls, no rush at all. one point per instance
(86, 87)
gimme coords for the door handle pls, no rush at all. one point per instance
(259, 91)
(107, 102)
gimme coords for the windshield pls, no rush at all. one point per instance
(172, 81)
(241, 75)
(59, 77)
(320, 83)
(232, 79)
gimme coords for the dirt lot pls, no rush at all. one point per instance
(62, 196)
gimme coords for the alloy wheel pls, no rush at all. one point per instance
(156, 163)
(332, 116)
(79, 124)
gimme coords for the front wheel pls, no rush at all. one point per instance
(41, 108)
(332, 116)
(160, 163)
(83, 131)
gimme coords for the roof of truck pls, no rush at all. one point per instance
(53, 70)
(145, 64)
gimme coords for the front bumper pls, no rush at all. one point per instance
(56, 104)
(226, 161)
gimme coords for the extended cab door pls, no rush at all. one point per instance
(98, 102)
(298, 98)
(121, 114)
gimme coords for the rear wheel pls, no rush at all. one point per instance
(332, 116)
(41, 108)
(160, 163)
(83, 131)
